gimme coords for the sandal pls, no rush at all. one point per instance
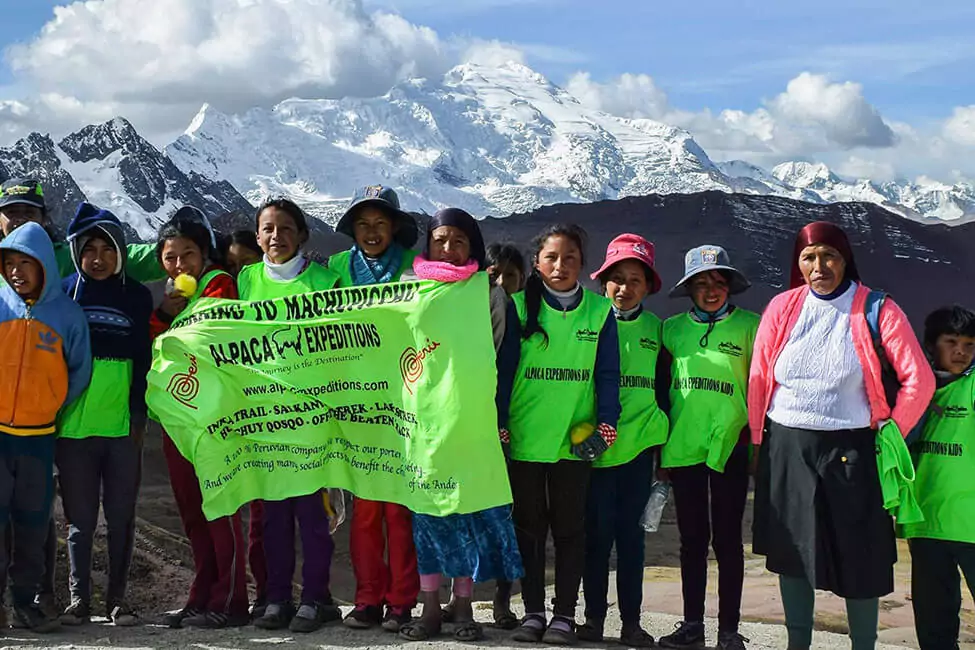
(635, 637)
(505, 620)
(417, 631)
(447, 613)
(531, 629)
(469, 632)
(561, 631)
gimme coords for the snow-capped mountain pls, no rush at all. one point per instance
(493, 140)
(498, 140)
(112, 166)
(924, 200)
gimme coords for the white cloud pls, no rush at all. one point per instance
(175, 54)
(156, 61)
(493, 53)
(813, 115)
(629, 95)
(842, 112)
(960, 127)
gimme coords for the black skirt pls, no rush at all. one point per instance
(819, 511)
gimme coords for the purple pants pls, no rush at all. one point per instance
(279, 547)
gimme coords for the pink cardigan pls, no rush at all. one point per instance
(902, 348)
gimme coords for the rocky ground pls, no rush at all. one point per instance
(162, 570)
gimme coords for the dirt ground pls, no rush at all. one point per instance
(162, 569)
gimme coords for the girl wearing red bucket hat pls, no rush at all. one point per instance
(619, 485)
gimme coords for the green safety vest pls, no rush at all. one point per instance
(944, 461)
(103, 409)
(202, 283)
(253, 282)
(341, 263)
(642, 424)
(554, 388)
(708, 407)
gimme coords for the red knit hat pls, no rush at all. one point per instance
(822, 232)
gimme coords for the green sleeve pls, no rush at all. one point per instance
(62, 253)
(142, 264)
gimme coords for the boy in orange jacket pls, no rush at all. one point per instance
(45, 364)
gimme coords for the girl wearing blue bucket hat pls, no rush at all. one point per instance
(706, 454)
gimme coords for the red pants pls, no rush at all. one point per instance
(220, 582)
(255, 549)
(398, 583)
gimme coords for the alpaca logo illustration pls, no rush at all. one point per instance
(185, 386)
(282, 341)
(411, 363)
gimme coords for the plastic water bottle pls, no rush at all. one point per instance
(659, 493)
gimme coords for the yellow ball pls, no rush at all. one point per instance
(185, 285)
(580, 432)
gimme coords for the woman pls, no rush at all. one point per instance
(472, 547)
(815, 400)
(558, 368)
(707, 452)
(620, 484)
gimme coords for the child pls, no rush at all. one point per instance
(383, 235)
(242, 250)
(558, 368)
(506, 267)
(707, 454)
(47, 365)
(99, 449)
(22, 201)
(473, 547)
(943, 457)
(620, 483)
(281, 232)
(218, 595)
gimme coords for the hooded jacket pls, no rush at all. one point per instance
(118, 311)
(45, 355)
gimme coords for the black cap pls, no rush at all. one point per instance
(385, 199)
(22, 190)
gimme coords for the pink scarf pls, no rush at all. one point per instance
(442, 271)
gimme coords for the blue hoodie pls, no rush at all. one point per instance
(45, 353)
(118, 310)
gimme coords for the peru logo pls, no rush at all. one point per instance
(185, 386)
(411, 363)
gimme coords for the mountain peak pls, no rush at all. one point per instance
(805, 174)
(96, 141)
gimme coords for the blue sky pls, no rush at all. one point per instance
(914, 63)
(916, 60)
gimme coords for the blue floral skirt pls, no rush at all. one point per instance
(481, 545)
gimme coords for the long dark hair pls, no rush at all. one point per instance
(195, 231)
(535, 285)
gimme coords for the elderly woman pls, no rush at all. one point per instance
(815, 401)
